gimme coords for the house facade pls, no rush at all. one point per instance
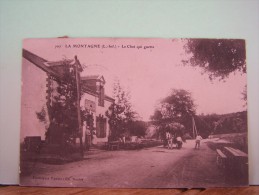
(41, 79)
(95, 100)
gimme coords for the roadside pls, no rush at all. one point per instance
(155, 167)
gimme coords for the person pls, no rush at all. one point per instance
(169, 138)
(94, 140)
(198, 141)
(123, 139)
(87, 138)
(179, 142)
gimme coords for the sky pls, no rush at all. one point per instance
(148, 68)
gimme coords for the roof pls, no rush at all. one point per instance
(108, 98)
(94, 93)
(59, 63)
(93, 77)
(40, 62)
(52, 67)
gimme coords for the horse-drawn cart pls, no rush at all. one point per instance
(173, 141)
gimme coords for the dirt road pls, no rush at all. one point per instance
(155, 167)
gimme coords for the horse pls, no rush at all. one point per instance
(169, 138)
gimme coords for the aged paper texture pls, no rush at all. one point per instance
(134, 113)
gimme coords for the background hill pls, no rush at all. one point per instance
(222, 124)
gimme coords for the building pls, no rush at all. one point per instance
(40, 81)
(95, 100)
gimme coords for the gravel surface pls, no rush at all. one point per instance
(155, 167)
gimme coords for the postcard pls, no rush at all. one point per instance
(134, 113)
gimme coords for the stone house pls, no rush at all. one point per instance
(40, 79)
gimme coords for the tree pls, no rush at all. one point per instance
(63, 115)
(62, 111)
(178, 107)
(231, 123)
(176, 129)
(138, 128)
(120, 113)
(203, 127)
(217, 57)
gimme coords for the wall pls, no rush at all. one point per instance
(33, 100)
(99, 111)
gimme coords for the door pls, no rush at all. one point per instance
(100, 127)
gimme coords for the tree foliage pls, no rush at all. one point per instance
(222, 123)
(176, 129)
(120, 113)
(177, 107)
(231, 123)
(203, 127)
(138, 128)
(217, 57)
(62, 111)
(63, 114)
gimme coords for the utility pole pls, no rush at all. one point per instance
(78, 105)
(194, 129)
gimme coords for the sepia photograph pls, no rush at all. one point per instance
(134, 113)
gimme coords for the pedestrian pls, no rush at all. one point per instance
(179, 142)
(94, 139)
(123, 139)
(169, 139)
(88, 139)
(198, 141)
